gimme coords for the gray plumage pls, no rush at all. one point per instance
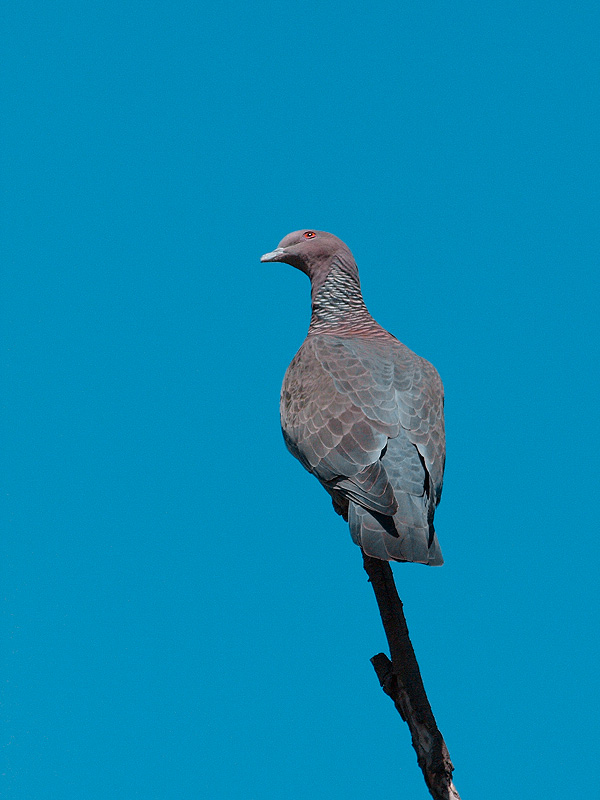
(361, 411)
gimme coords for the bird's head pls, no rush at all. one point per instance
(309, 251)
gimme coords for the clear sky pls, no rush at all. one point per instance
(185, 616)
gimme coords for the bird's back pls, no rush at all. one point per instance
(364, 414)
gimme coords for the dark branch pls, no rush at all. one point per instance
(401, 680)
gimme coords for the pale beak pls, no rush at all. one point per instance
(275, 255)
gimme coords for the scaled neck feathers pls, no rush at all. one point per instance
(337, 302)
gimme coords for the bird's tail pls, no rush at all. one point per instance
(402, 537)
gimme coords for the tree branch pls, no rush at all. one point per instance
(401, 680)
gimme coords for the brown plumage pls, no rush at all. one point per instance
(361, 411)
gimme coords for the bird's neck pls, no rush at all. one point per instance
(337, 303)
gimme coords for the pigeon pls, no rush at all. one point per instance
(362, 412)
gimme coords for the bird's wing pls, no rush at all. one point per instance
(344, 398)
(420, 396)
(400, 394)
(337, 414)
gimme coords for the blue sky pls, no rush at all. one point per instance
(185, 616)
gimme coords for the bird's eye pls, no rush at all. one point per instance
(309, 234)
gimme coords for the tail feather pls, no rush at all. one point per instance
(414, 541)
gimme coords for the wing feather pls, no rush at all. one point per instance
(366, 417)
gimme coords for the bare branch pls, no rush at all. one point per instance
(401, 680)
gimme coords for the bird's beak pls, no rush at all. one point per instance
(275, 255)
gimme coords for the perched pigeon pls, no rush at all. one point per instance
(361, 411)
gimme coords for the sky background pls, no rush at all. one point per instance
(184, 614)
